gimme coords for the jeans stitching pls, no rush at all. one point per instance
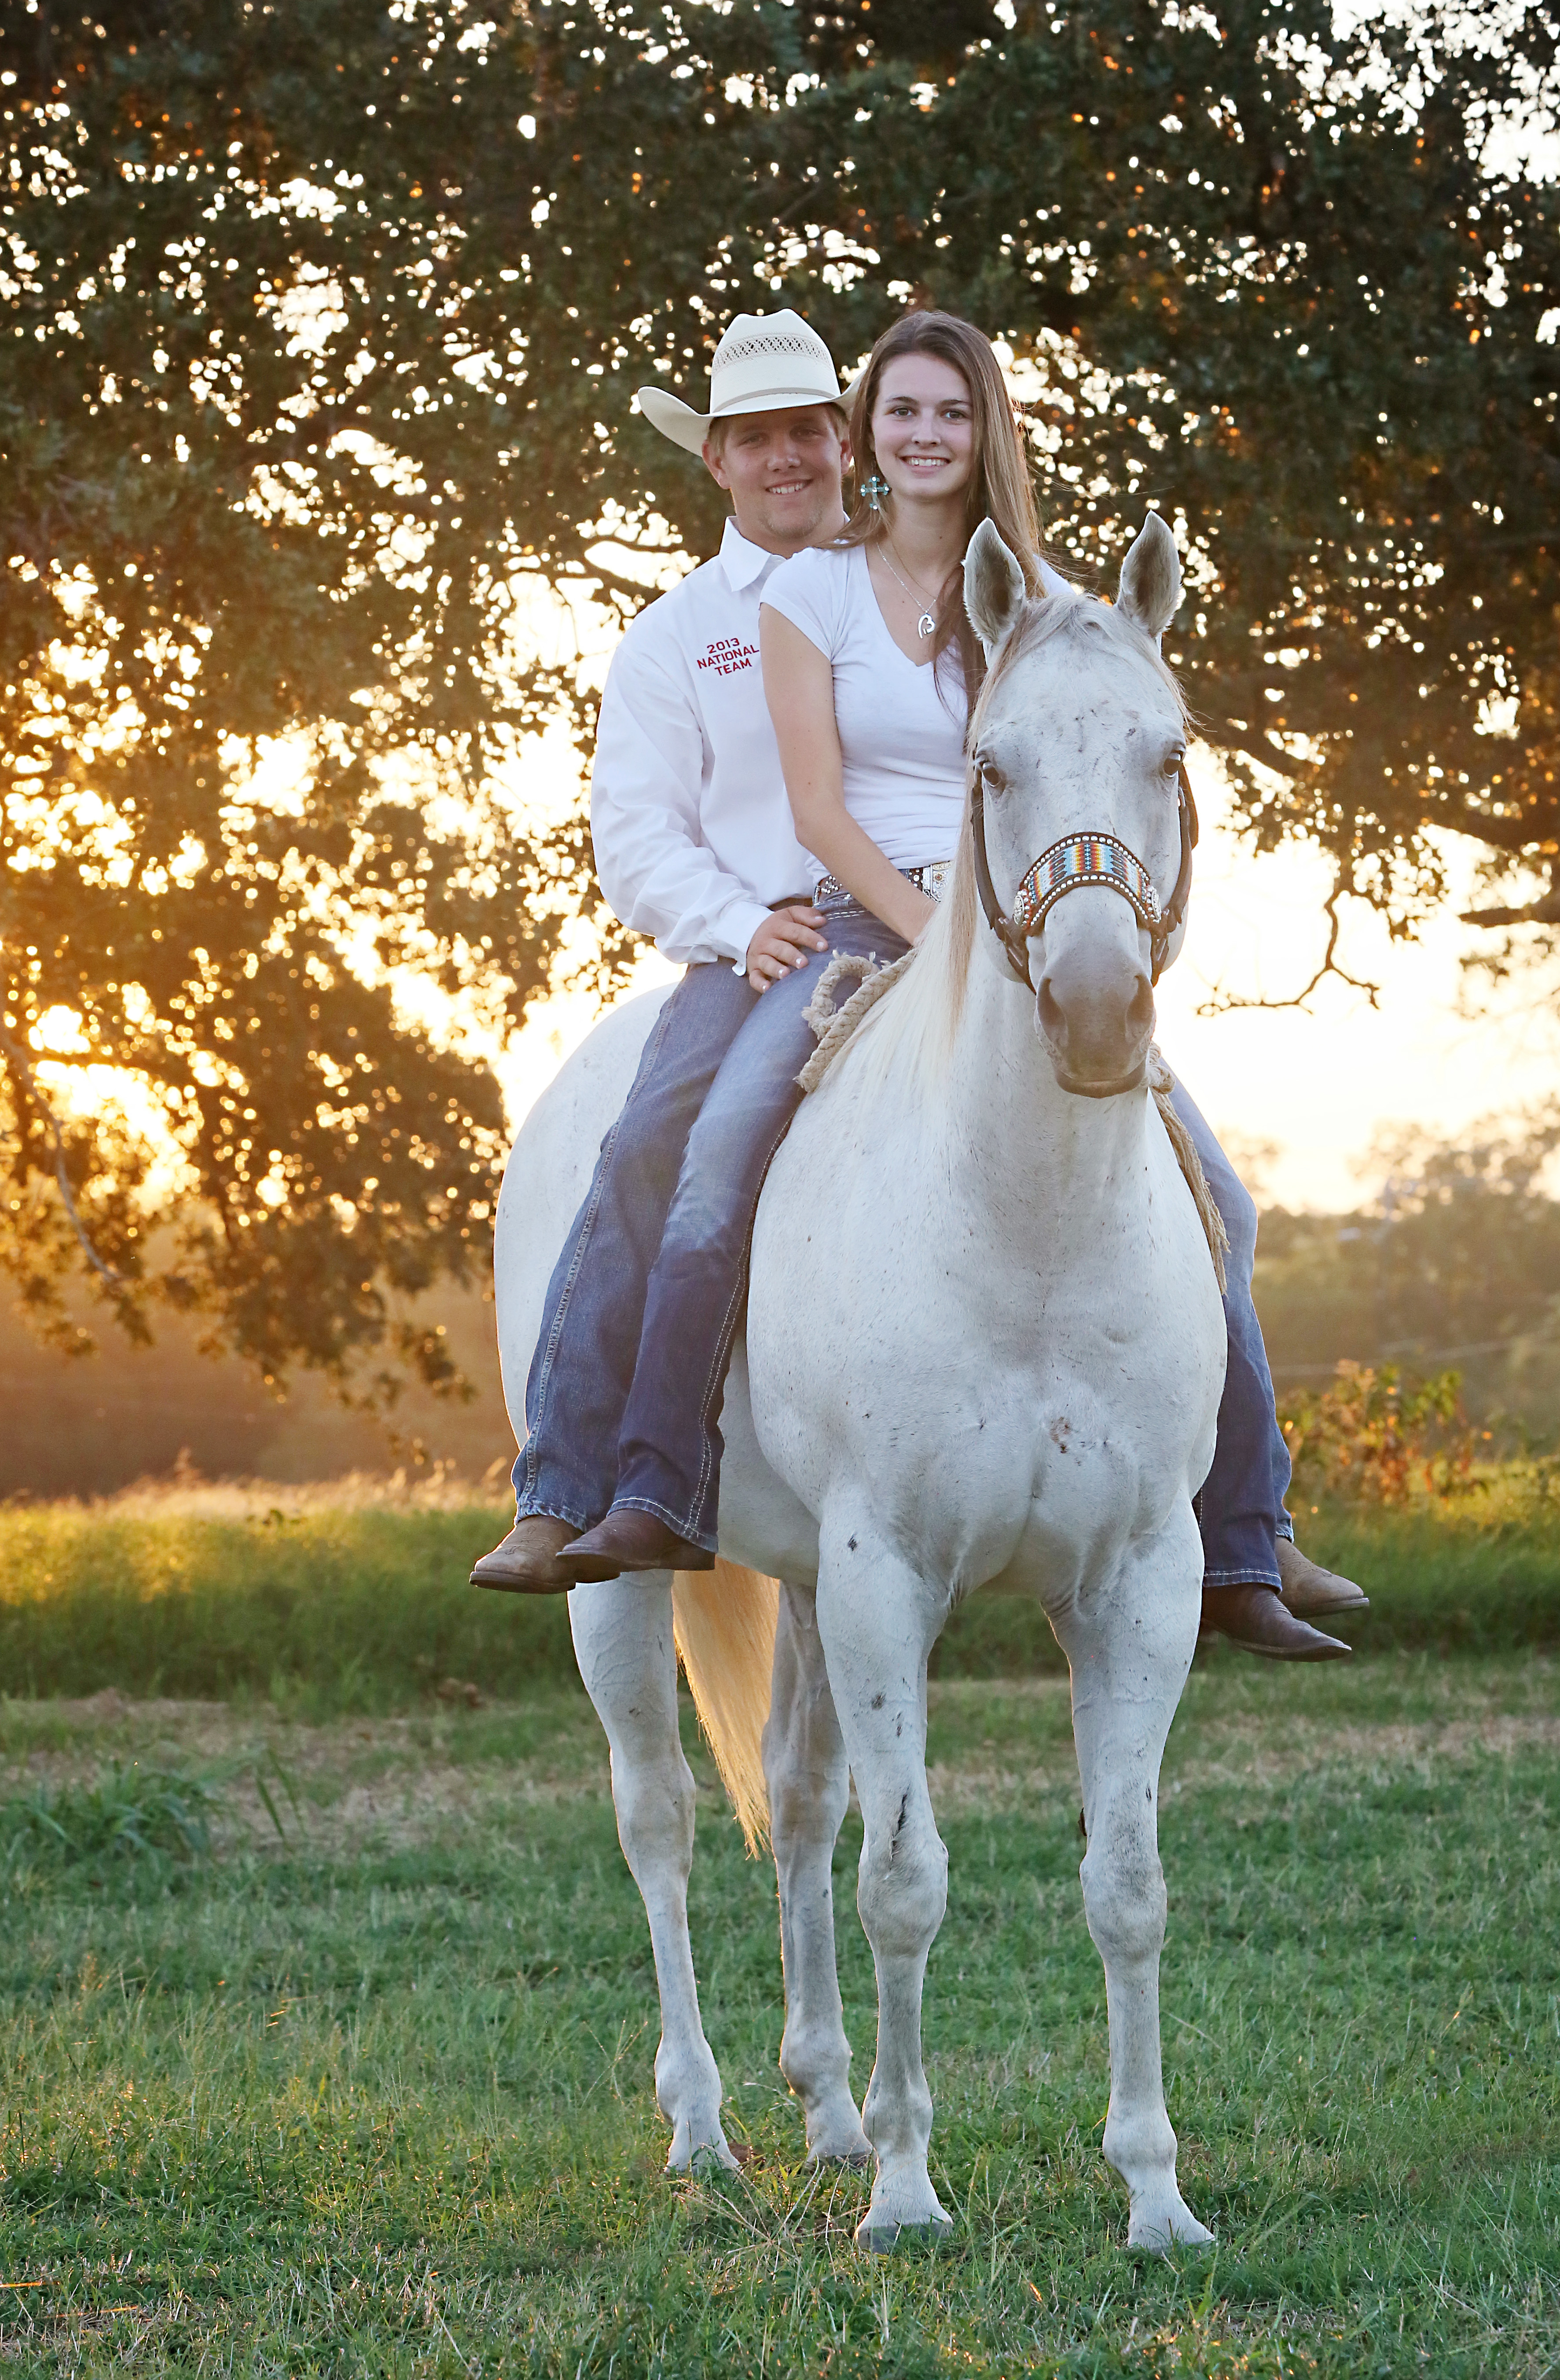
(572, 1519)
(675, 1520)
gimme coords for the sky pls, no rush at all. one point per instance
(1298, 1096)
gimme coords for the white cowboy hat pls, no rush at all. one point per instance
(765, 363)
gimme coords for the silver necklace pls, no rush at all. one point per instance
(926, 626)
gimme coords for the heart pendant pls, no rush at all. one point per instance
(926, 626)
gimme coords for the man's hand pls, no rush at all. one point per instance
(783, 943)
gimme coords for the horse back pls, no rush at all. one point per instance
(548, 1173)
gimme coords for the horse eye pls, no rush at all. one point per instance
(995, 782)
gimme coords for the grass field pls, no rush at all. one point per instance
(329, 2016)
(343, 1598)
(362, 2085)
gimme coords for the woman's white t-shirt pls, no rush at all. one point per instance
(901, 724)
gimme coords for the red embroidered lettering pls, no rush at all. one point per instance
(726, 655)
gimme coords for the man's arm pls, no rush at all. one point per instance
(655, 868)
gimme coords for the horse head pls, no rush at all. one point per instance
(1078, 745)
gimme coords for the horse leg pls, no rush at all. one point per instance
(1129, 1653)
(623, 1642)
(878, 1622)
(808, 1779)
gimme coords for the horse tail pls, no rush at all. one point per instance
(723, 1621)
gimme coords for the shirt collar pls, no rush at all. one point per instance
(741, 560)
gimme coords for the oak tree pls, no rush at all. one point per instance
(325, 318)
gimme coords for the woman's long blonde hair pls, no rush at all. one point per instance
(1000, 489)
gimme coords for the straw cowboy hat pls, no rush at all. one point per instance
(765, 363)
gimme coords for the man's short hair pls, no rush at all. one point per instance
(717, 433)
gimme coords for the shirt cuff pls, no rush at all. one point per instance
(735, 928)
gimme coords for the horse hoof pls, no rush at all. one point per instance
(839, 2143)
(707, 2162)
(1176, 2226)
(883, 2236)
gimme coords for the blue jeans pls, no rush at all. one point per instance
(1241, 1506)
(625, 1385)
(624, 1389)
(583, 1367)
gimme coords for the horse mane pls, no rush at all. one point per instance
(907, 1041)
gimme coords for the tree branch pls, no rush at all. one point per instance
(13, 1050)
(1224, 1002)
(1537, 913)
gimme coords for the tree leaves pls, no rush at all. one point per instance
(323, 327)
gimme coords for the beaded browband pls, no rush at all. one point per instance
(1084, 859)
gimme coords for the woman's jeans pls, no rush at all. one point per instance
(1241, 1504)
(624, 1397)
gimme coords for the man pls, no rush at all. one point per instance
(695, 845)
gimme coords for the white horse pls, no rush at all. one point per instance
(986, 1347)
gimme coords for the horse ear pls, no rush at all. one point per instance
(1150, 577)
(993, 587)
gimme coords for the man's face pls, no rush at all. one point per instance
(782, 472)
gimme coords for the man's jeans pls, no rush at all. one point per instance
(626, 1384)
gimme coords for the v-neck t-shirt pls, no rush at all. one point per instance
(901, 724)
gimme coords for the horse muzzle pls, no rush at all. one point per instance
(1094, 1006)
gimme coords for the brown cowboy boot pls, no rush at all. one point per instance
(526, 1563)
(1255, 1618)
(1310, 1592)
(629, 1541)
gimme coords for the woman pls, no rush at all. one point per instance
(869, 663)
(870, 667)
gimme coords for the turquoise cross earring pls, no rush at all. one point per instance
(874, 488)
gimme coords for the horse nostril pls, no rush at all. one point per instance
(1052, 1024)
(1140, 1015)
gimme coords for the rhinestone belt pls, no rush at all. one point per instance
(926, 879)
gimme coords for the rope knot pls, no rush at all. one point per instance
(834, 1026)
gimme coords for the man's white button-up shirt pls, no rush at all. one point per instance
(688, 811)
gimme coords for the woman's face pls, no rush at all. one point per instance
(923, 428)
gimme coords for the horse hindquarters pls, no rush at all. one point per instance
(623, 1640)
(1129, 1652)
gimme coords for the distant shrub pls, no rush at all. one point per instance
(1371, 1438)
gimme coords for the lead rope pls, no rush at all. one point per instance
(1162, 1082)
(834, 1026)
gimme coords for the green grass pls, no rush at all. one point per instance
(341, 1607)
(331, 1609)
(373, 2094)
